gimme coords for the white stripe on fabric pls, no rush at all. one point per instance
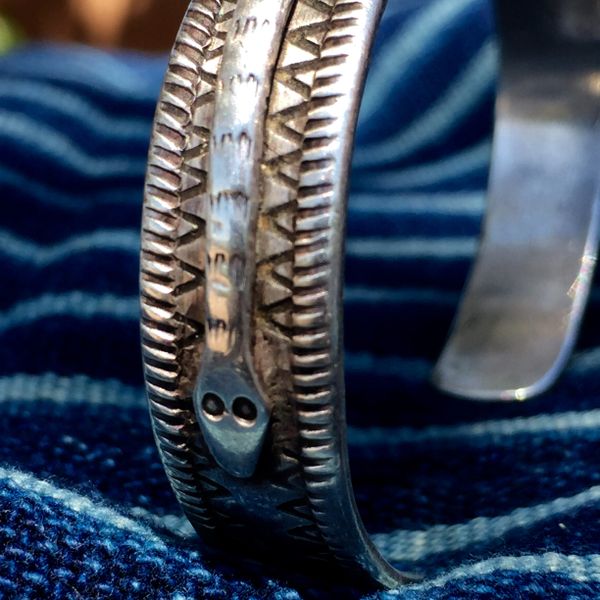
(96, 69)
(42, 255)
(77, 107)
(53, 196)
(470, 204)
(357, 294)
(581, 363)
(463, 163)
(77, 503)
(404, 53)
(82, 389)
(363, 295)
(129, 241)
(73, 389)
(395, 8)
(39, 139)
(456, 104)
(484, 431)
(576, 568)
(83, 305)
(413, 248)
(401, 545)
(414, 546)
(587, 361)
(401, 367)
(78, 305)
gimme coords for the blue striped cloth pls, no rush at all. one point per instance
(483, 501)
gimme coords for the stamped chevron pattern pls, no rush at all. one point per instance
(286, 119)
(286, 123)
(316, 379)
(294, 294)
(171, 278)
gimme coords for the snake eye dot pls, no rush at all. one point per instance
(213, 406)
(244, 409)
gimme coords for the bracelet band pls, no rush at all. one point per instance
(243, 247)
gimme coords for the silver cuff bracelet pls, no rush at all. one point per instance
(243, 245)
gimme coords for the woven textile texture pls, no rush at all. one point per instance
(482, 500)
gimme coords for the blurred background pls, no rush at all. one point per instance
(138, 24)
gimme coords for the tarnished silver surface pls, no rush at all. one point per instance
(243, 245)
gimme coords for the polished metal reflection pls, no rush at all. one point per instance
(236, 147)
(524, 302)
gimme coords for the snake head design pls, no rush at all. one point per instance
(232, 415)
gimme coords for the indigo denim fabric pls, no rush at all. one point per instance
(495, 501)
